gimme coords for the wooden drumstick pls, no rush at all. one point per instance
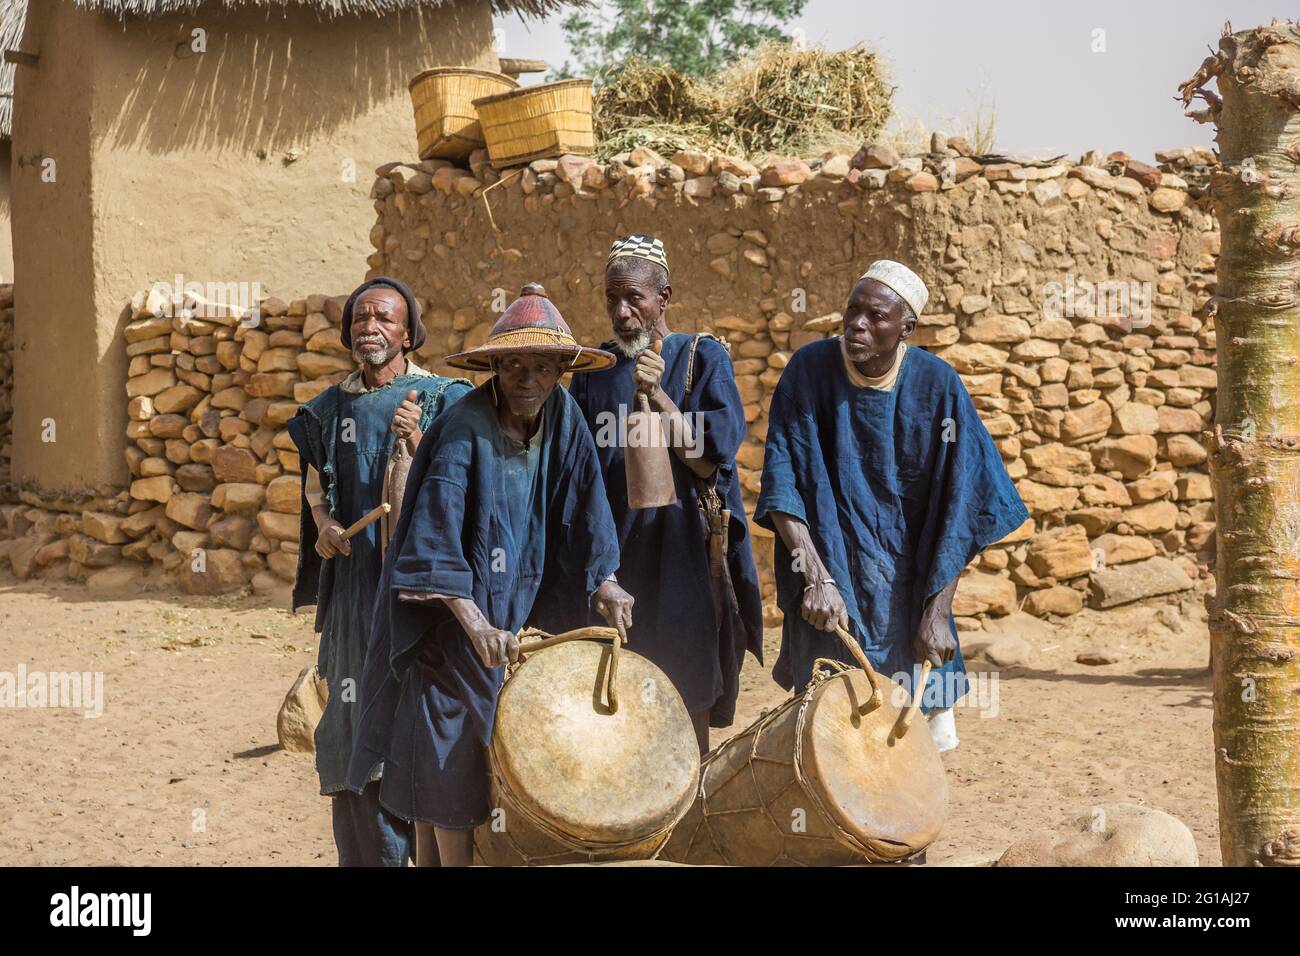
(367, 519)
(905, 721)
(860, 656)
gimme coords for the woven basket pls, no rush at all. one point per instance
(537, 122)
(446, 124)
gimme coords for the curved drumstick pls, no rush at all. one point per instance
(860, 656)
(905, 721)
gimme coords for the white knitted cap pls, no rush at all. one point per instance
(902, 280)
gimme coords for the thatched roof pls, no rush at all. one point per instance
(329, 8)
(12, 15)
(14, 12)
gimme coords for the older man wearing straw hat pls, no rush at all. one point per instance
(505, 522)
(882, 484)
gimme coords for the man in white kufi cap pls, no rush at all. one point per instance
(881, 484)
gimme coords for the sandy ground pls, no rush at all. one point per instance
(183, 766)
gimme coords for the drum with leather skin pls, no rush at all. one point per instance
(817, 782)
(576, 780)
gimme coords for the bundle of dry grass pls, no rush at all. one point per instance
(645, 103)
(800, 102)
(781, 100)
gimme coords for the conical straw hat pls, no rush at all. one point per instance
(532, 325)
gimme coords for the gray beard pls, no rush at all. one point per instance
(633, 347)
(376, 358)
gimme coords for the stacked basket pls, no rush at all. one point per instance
(537, 122)
(446, 123)
(459, 110)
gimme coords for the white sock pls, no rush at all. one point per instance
(943, 728)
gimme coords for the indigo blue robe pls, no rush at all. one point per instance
(665, 561)
(351, 460)
(459, 536)
(899, 489)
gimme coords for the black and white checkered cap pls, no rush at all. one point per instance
(638, 247)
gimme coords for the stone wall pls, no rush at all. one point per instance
(214, 494)
(1097, 417)
(1097, 412)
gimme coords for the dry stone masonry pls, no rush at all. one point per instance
(214, 491)
(1070, 296)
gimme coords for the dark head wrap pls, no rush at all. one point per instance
(414, 327)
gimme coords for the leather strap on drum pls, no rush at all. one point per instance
(580, 634)
(747, 766)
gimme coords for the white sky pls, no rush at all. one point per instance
(1033, 61)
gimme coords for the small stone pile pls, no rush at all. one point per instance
(1070, 296)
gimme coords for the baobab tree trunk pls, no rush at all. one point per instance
(1255, 445)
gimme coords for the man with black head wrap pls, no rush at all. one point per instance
(346, 438)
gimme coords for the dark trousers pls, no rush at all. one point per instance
(365, 833)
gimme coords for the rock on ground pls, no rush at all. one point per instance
(301, 712)
(1113, 834)
(1096, 657)
(120, 577)
(1133, 582)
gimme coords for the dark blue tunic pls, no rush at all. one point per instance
(899, 489)
(460, 536)
(351, 460)
(665, 562)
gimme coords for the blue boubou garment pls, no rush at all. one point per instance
(665, 562)
(900, 489)
(462, 533)
(347, 438)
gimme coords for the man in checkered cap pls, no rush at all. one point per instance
(688, 564)
(882, 484)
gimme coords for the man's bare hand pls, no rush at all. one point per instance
(406, 420)
(495, 647)
(823, 607)
(648, 371)
(614, 605)
(330, 541)
(934, 640)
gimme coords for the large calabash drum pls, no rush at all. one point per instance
(816, 782)
(574, 780)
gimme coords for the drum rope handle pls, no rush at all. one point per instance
(592, 633)
(905, 721)
(860, 656)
